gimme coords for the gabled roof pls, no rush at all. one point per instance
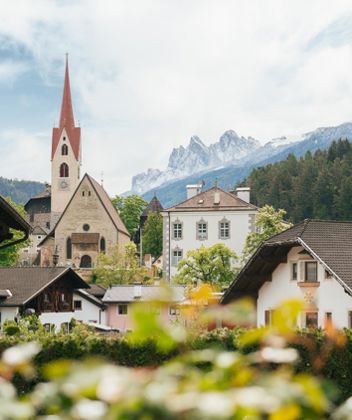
(96, 290)
(105, 201)
(205, 201)
(330, 242)
(13, 219)
(126, 293)
(67, 121)
(26, 283)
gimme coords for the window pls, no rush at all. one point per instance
(294, 271)
(311, 271)
(86, 227)
(64, 138)
(82, 193)
(177, 230)
(349, 319)
(267, 317)
(47, 224)
(224, 229)
(102, 245)
(202, 230)
(64, 150)
(77, 304)
(64, 171)
(174, 310)
(328, 318)
(122, 309)
(68, 248)
(176, 256)
(86, 261)
(312, 319)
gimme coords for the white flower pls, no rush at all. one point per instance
(226, 359)
(219, 404)
(275, 355)
(88, 409)
(257, 397)
(20, 354)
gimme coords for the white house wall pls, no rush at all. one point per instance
(241, 224)
(328, 297)
(8, 313)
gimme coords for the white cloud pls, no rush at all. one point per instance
(149, 74)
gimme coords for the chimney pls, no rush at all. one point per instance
(137, 291)
(193, 190)
(243, 193)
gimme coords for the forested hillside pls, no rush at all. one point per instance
(317, 185)
(19, 191)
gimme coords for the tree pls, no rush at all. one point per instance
(269, 222)
(9, 256)
(130, 209)
(120, 266)
(153, 235)
(212, 265)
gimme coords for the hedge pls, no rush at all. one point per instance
(116, 349)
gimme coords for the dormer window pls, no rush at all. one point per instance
(64, 150)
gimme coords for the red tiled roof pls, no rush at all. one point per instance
(67, 121)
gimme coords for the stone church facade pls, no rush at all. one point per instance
(80, 221)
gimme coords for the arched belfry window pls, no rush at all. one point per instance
(68, 249)
(64, 150)
(102, 245)
(64, 172)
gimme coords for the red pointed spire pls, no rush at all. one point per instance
(66, 116)
(67, 120)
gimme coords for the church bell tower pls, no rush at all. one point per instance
(65, 155)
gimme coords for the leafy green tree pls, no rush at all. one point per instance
(120, 266)
(153, 235)
(130, 209)
(268, 222)
(9, 256)
(213, 265)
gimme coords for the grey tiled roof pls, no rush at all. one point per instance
(25, 283)
(127, 293)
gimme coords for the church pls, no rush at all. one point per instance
(74, 219)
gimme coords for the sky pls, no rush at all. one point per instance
(146, 75)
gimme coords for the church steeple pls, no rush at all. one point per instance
(65, 154)
(66, 115)
(67, 120)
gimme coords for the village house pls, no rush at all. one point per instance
(311, 261)
(119, 301)
(204, 219)
(55, 294)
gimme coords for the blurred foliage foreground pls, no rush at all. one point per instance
(258, 383)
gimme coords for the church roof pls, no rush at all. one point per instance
(67, 121)
(213, 199)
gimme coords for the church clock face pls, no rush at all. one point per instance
(64, 184)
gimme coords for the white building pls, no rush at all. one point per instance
(204, 219)
(311, 261)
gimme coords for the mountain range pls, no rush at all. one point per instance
(227, 161)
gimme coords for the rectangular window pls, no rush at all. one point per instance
(294, 271)
(312, 319)
(267, 317)
(202, 231)
(122, 309)
(224, 230)
(311, 271)
(328, 318)
(77, 304)
(349, 319)
(177, 231)
(176, 256)
(174, 310)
